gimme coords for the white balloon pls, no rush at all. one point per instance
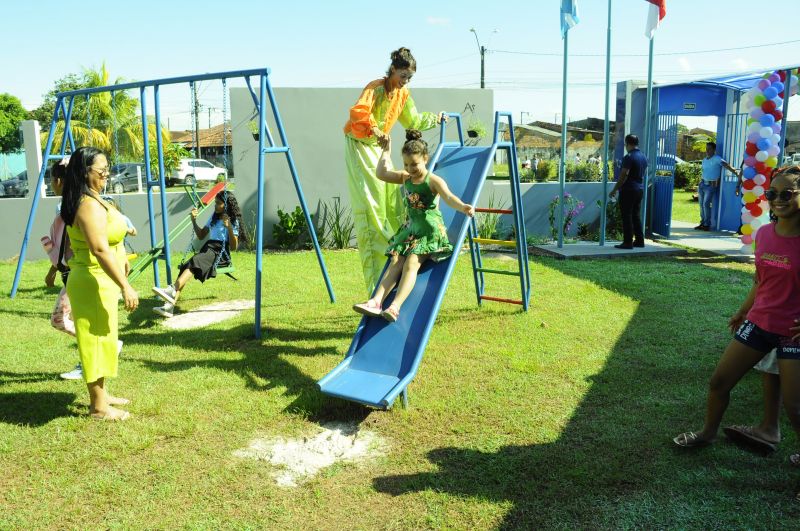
(761, 156)
(765, 132)
(758, 190)
(793, 81)
(773, 151)
(747, 217)
(756, 224)
(776, 139)
(759, 179)
(778, 102)
(755, 127)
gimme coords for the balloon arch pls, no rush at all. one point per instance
(764, 104)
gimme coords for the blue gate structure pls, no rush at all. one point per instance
(663, 173)
(729, 211)
(64, 105)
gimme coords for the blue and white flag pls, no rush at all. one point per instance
(569, 15)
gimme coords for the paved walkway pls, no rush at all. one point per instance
(717, 242)
(682, 236)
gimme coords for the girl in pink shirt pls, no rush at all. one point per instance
(769, 318)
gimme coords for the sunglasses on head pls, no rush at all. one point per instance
(783, 195)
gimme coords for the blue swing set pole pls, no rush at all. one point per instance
(32, 214)
(148, 178)
(299, 189)
(162, 184)
(606, 132)
(260, 210)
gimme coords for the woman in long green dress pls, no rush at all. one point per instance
(98, 271)
(423, 236)
(377, 208)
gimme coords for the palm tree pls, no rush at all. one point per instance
(110, 123)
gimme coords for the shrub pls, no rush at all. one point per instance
(337, 227)
(291, 229)
(687, 175)
(487, 224)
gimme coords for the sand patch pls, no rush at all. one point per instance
(209, 314)
(296, 460)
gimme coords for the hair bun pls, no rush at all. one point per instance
(413, 134)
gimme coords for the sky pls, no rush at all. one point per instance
(346, 43)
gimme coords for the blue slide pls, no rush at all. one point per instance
(384, 357)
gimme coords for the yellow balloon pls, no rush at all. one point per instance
(747, 229)
(772, 162)
(749, 197)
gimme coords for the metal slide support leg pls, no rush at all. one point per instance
(405, 398)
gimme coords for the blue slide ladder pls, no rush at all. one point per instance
(384, 357)
(520, 234)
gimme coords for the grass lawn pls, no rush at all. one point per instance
(683, 208)
(556, 418)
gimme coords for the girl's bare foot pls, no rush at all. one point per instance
(111, 414)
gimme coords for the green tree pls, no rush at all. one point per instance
(110, 123)
(12, 113)
(699, 142)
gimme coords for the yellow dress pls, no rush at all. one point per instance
(95, 298)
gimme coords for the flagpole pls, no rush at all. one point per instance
(647, 125)
(606, 129)
(562, 164)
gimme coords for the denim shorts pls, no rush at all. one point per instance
(754, 337)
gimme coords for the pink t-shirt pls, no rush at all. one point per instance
(52, 243)
(777, 302)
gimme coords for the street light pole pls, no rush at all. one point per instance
(482, 49)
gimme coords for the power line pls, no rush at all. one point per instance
(692, 52)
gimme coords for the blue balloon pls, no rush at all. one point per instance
(749, 172)
(767, 120)
(770, 92)
(764, 144)
(778, 86)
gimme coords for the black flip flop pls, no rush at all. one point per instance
(744, 436)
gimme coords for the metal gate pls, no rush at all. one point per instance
(729, 211)
(666, 139)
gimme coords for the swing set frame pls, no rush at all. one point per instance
(64, 105)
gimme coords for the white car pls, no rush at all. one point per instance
(192, 170)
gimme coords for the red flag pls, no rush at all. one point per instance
(658, 8)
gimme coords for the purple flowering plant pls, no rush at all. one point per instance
(572, 207)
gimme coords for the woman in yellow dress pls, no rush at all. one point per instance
(378, 207)
(98, 271)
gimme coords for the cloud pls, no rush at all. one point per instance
(740, 64)
(437, 21)
(684, 63)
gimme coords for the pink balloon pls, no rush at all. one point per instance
(750, 161)
(747, 239)
(776, 128)
(773, 78)
(764, 84)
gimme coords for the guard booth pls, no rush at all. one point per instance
(721, 98)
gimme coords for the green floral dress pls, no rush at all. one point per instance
(423, 231)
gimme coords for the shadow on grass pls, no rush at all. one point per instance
(262, 364)
(34, 409)
(613, 464)
(16, 377)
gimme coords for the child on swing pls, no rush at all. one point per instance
(423, 236)
(222, 230)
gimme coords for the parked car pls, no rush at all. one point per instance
(125, 177)
(17, 186)
(192, 170)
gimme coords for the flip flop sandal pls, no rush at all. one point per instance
(368, 308)
(690, 440)
(744, 436)
(794, 460)
(391, 313)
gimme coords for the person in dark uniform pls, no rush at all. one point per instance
(630, 185)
